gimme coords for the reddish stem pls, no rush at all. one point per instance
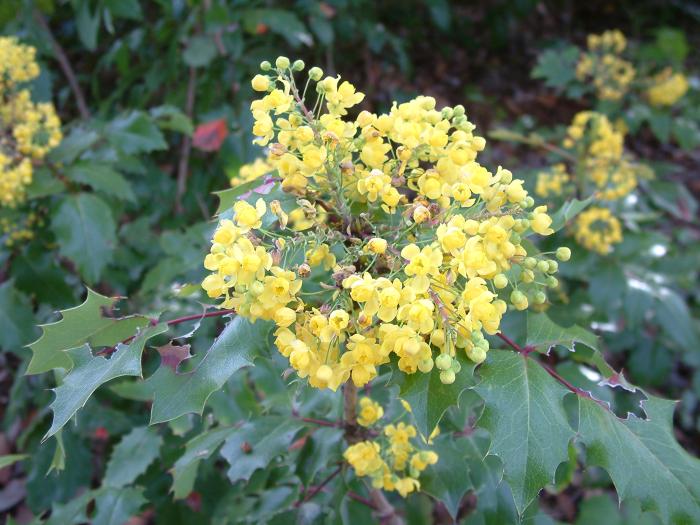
(320, 422)
(318, 488)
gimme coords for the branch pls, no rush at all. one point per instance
(63, 61)
(318, 488)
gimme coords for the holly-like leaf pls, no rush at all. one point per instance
(543, 334)
(199, 448)
(90, 372)
(172, 355)
(135, 132)
(210, 135)
(525, 415)
(86, 233)
(79, 325)
(11, 459)
(643, 458)
(102, 178)
(254, 444)
(114, 506)
(177, 394)
(172, 118)
(16, 317)
(71, 512)
(557, 67)
(132, 456)
(448, 480)
(429, 397)
(568, 211)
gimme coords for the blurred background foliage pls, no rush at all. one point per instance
(160, 120)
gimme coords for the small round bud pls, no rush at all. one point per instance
(527, 276)
(530, 263)
(539, 298)
(298, 65)
(456, 366)
(447, 113)
(260, 82)
(519, 300)
(543, 266)
(425, 365)
(563, 253)
(477, 354)
(553, 266)
(304, 270)
(443, 362)
(265, 65)
(282, 63)
(458, 110)
(315, 73)
(447, 377)
(377, 245)
(529, 202)
(324, 373)
(515, 238)
(500, 281)
(421, 214)
(552, 282)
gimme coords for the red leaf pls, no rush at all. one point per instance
(210, 135)
(172, 355)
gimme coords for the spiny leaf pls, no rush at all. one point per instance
(529, 428)
(430, 398)
(86, 233)
(254, 444)
(643, 458)
(201, 447)
(542, 332)
(177, 394)
(132, 456)
(90, 372)
(81, 324)
(448, 480)
(101, 177)
(568, 211)
(114, 506)
(16, 317)
(557, 67)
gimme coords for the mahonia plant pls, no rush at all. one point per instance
(407, 244)
(28, 130)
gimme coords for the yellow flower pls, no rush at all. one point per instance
(376, 245)
(667, 88)
(541, 222)
(260, 83)
(248, 217)
(370, 412)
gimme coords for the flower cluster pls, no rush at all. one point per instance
(391, 240)
(598, 229)
(392, 461)
(28, 131)
(251, 171)
(667, 88)
(16, 227)
(604, 66)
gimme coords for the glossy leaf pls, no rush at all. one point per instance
(448, 480)
(132, 456)
(114, 506)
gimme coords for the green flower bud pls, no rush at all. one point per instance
(553, 266)
(477, 354)
(282, 63)
(515, 238)
(517, 297)
(298, 65)
(443, 361)
(447, 377)
(458, 110)
(552, 282)
(543, 266)
(425, 365)
(527, 276)
(447, 113)
(563, 253)
(530, 262)
(539, 298)
(265, 65)
(315, 73)
(500, 281)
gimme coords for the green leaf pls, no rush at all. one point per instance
(255, 443)
(16, 317)
(176, 393)
(80, 139)
(86, 323)
(102, 178)
(672, 44)
(72, 512)
(283, 22)
(132, 456)
(135, 132)
(660, 123)
(200, 51)
(201, 447)
(429, 397)
(525, 415)
(170, 117)
(227, 198)
(86, 233)
(11, 459)
(114, 506)
(557, 67)
(686, 132)
(643, 458)
(544, 333)
(44, 184)
(568, 211)
(448, 480)
(88, 24)
(90, 372)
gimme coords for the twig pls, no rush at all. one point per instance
(186, 148)
(67, 69)
(353, 495)
(385, 510)
(318, 488)
(319, 422)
